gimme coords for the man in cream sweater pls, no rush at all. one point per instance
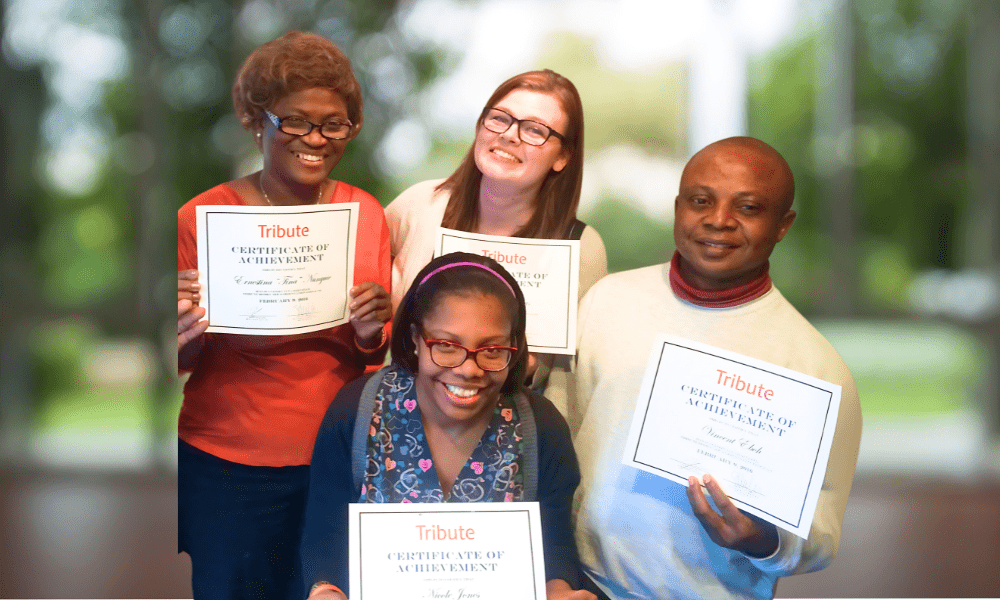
(642, 536)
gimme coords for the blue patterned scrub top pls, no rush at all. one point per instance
(400, 467)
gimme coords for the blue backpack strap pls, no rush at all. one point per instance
(529, 431)
(363, 420)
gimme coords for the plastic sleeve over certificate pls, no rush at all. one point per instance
(276, 270)
(763, 431)
(548, 272)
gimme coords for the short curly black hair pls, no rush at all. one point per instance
(423, 296)
(296, 61)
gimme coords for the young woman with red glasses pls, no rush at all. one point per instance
(448, 421)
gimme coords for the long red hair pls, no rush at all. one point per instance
(559, 196)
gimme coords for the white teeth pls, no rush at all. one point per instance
(461, 392)
(311, 157)
(503, 154)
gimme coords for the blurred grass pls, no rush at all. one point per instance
(911, 397)
(908, 367)
(107, 411)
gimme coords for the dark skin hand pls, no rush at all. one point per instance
(188, 287)
(733, 529)
(558, 589)
(369, 303)
(371, 309)
(189, 322)
(190, 327)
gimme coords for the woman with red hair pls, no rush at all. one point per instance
(521, 178)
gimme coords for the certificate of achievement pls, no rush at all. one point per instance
(762, 431)
(276, 270)
(549, 274)
(451, 551)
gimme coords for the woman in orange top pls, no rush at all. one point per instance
(253, 404)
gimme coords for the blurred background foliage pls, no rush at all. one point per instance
(116, 112)
(909, 148)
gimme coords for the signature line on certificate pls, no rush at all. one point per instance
(688, 466)
(255, 316)
(746, 486)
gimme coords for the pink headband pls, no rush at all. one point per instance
(470, 264)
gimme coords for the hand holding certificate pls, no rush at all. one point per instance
(761, 431)
(276, 270)
(730, 527)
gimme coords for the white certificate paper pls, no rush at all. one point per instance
(451, 551)
(763, 431)
(549, 274)
(276, 270)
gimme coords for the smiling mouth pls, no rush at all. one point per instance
(505, 155)
(719, 245)
(309, 158)
(462, 395)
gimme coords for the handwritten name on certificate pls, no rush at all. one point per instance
(549, 274)
(763, 431)
(276, 270)
(454, 551)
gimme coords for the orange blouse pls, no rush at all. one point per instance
(259, 400)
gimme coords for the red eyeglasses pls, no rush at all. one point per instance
(449, 354)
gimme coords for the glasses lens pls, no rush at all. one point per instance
(295, 126)
(497, 121)
(335, 130)
(533, 132)
(493, 359)
(448, 355)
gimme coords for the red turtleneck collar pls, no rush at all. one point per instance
(716, 298)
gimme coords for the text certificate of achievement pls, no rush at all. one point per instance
(763, 431)
(276, 270)
(453, 551)
(549, 274)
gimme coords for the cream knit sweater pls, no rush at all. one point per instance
(637, 534)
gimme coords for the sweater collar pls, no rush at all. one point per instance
(716, 298)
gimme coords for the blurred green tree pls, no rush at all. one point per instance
(907, 147)
(161, 130)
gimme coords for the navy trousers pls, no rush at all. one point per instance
(241, 526)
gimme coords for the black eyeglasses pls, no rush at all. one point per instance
(530, 132)
(331, 130)
(450, 355)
